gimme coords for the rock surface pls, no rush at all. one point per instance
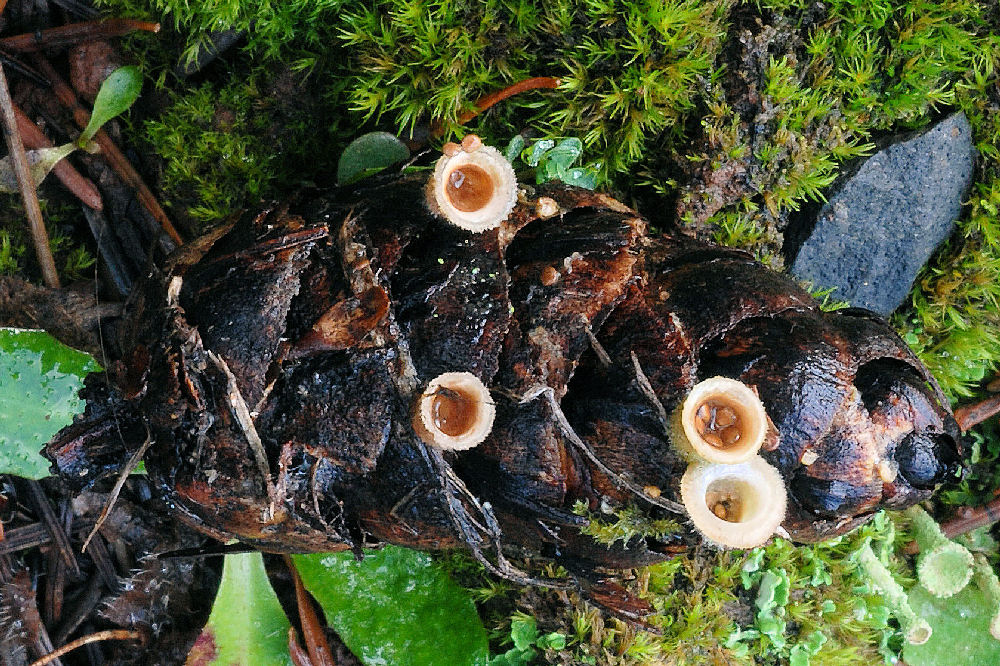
(883, 222)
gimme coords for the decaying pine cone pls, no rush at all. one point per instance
(394, 363)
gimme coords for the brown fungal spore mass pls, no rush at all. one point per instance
(374, 364)
(730, 499)
(454, 412)
(719, 423)
(469, 188)
(721, 420)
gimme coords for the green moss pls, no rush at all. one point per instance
(624, 525)
(72, 257)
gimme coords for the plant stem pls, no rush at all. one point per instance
(483, 103)
(75, 182)
(74, 33)
(19, 160)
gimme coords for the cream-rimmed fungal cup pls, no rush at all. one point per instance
(720, 421)
(473, 188)
(735, 506)
(455, 412)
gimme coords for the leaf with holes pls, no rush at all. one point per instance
(39, 381)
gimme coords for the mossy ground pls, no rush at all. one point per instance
(736, 114)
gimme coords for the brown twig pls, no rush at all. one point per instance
(129, 467)
(75, 182)
(43, 506)
(75, 33)
(483, 103)
(967, 519)
(19, 160)
(109, 151)
(318, 648)
(107, 635)
(974, 414)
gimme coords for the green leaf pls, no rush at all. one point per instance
(396, 607)
(585, 177)
(247, 624)
(514, 148)
(961, 629)
(565, 153)
(40, 162)
(118, 92)
(553, 641)
(532, 156)
(523, 631)
(773, 590)
(368, 154)
(39, 381)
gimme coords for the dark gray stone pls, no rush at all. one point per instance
(884, 221)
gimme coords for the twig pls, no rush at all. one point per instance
(59, 537)
(129, 467)
(968, 519)
(109, 151)
(75, 33)
(319, 652)
(483, 103)
(85, 603)
(19, 160)
(107, 635)
(75, 182)
(974, 414)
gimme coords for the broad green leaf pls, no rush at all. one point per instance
(396, 608)
(118, 92)
(368, 154)
(247, 624)
(40, 162)
(39, 381)
(961, 629)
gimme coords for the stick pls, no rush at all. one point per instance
(319, 652)
(968, 416)
(109, 634)
(109, 151)
(968, 519)
(75, 182)
(130, 466)
(75, 33)
(483, 103)
(19, 160)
